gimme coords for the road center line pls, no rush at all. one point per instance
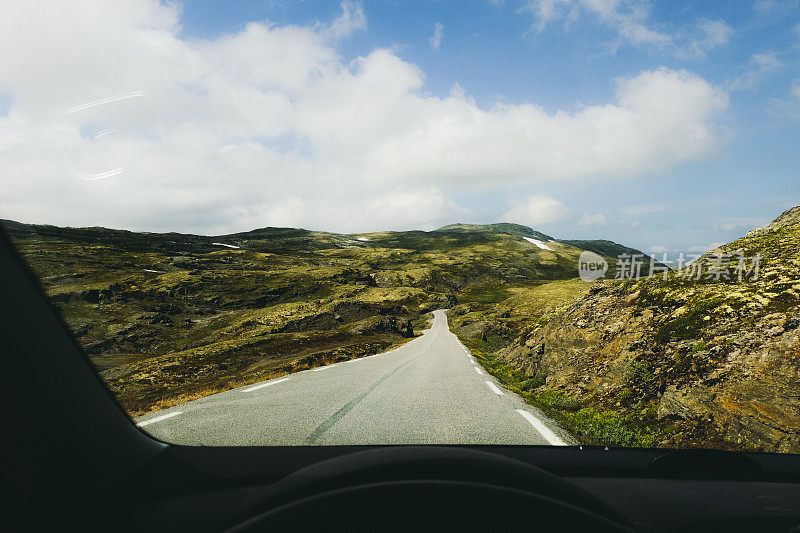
(478, 370)
(159, 418)
(494, 388)
(271, 383)
(543, 430)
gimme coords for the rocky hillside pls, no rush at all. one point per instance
(707, 356)
(169, 317)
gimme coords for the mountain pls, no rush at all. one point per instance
(502, 227)
(601, 247)
(167, 317)
(605, 248)
(704, 357)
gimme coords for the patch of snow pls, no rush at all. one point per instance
(151, 270)
(538, 243)
(364, 239)
(223, 244)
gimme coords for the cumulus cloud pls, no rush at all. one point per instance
(403, 209)
(536, 210)
(438, 35)
(270, 125)
(397, 209)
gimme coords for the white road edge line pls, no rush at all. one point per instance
(478, 370)
(251, 389)
(159, 418)
(326, 367)
(543, 430)
(494, 389)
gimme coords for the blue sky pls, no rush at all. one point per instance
(728, 70)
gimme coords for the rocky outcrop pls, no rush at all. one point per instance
(712, 363)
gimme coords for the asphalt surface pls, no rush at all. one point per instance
(428, 391)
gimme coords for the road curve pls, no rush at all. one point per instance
(428, 391)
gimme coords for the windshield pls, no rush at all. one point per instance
(527, 222)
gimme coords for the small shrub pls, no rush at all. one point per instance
(556, 400)
(699, 347)
(533, 382)
(625, 395)
(636, 373)
(604, 427)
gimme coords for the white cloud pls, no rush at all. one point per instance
(438, 35)
(352, 19)
(629, 19)
(536, 210)
(271, 126)
(398, 209)
(410, 209)
(759, 67)
(597, 219)
(710, 35)
(772, 8)
(547, 11)
(657, 249)
(626, 17)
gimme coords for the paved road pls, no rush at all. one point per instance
(428, 391)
